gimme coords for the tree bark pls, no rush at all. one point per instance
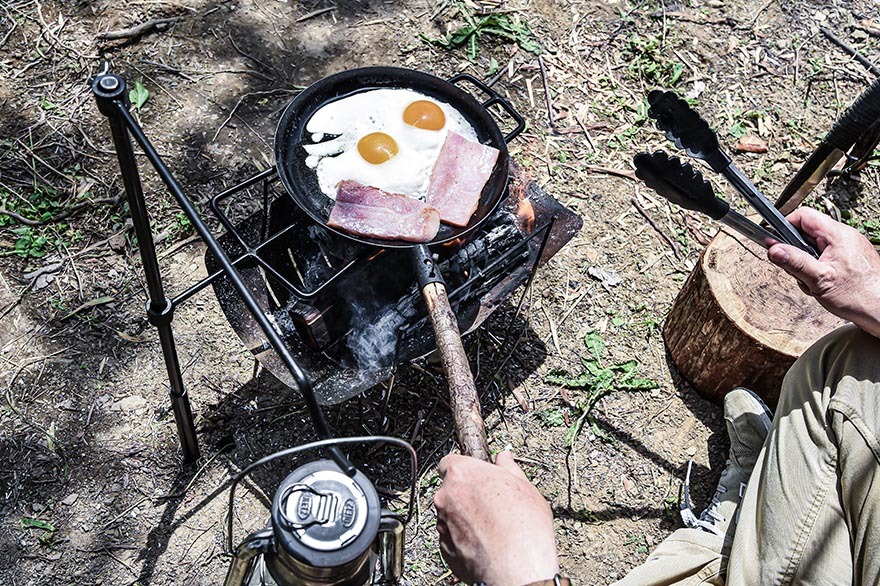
(470, 430)
(741, 321)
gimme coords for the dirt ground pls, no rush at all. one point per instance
(93, 490)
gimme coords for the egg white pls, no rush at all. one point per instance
(351, 118)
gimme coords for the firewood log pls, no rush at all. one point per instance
(741, 321)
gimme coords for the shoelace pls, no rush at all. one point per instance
(687, 512)
(707, 519)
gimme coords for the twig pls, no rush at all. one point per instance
(243, 54)
(657, 229)
(178, 245)
(127, 567)
(553, 333)
(124, 513)
(763, 7)
(169, 69)
(237, 104)
(573, 306)
(157, 24)
(60, 216)
(11, 30)
(850, 51)
(57, 40)
(314, 13)
(547, 94)
(684, 16)
(609, 171)
(29, 363)
(198, 473)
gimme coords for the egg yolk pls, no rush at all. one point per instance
(377, 147)
(424, 114)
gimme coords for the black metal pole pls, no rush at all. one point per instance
(115, 107)
(110, 90)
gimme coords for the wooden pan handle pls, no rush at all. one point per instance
(469, 427)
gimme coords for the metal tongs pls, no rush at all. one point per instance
(684, 186)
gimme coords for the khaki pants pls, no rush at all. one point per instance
(811, 512)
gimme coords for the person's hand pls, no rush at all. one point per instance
(494, 525)
(845, 279)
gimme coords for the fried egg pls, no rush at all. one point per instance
(384, 138)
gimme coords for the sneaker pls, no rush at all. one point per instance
(748, 421)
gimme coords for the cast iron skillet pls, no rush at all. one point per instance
(302, 185)
(301, 182)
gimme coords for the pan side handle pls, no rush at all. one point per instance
(470, 430)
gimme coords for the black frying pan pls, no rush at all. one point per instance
(302, 184)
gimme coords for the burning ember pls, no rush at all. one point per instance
(525, 214)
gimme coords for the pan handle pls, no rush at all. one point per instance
(470, 430)
(494, 98)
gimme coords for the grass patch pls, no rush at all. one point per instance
(500, 27)
(596, 380)
(648, 62)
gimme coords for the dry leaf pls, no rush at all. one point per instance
(750, 143)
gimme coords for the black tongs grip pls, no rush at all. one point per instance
(684, 186)
(688, 130)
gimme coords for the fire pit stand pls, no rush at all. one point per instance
(282, 313)
(112, 97)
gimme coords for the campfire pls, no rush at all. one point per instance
(350, 315)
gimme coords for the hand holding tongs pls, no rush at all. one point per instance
(687, 129)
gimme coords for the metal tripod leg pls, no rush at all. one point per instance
(160, 310)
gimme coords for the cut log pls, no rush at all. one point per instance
(741, 321)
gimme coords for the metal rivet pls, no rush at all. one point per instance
(109, 83)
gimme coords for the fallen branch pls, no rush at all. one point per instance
(156, 24)
(314, 13)
(696, 19)
(849, 50)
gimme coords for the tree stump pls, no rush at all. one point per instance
(741, 321)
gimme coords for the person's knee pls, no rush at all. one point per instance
(845, 352)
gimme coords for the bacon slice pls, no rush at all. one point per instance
(367, 211)
(460, 173)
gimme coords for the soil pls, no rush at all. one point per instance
(93, 489)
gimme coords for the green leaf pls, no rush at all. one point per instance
(29, 522)
(138, 95)
(639, 384)
(594, 343)
(552, 417)
(677, 70)
(627, 368)
(738, 129)
(46, 104)
(575, 429)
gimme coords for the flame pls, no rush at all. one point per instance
(526, 215)
(454, 243)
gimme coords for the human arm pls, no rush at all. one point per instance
(845, 279)
(494, 525)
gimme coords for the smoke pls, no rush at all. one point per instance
(373, 337)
